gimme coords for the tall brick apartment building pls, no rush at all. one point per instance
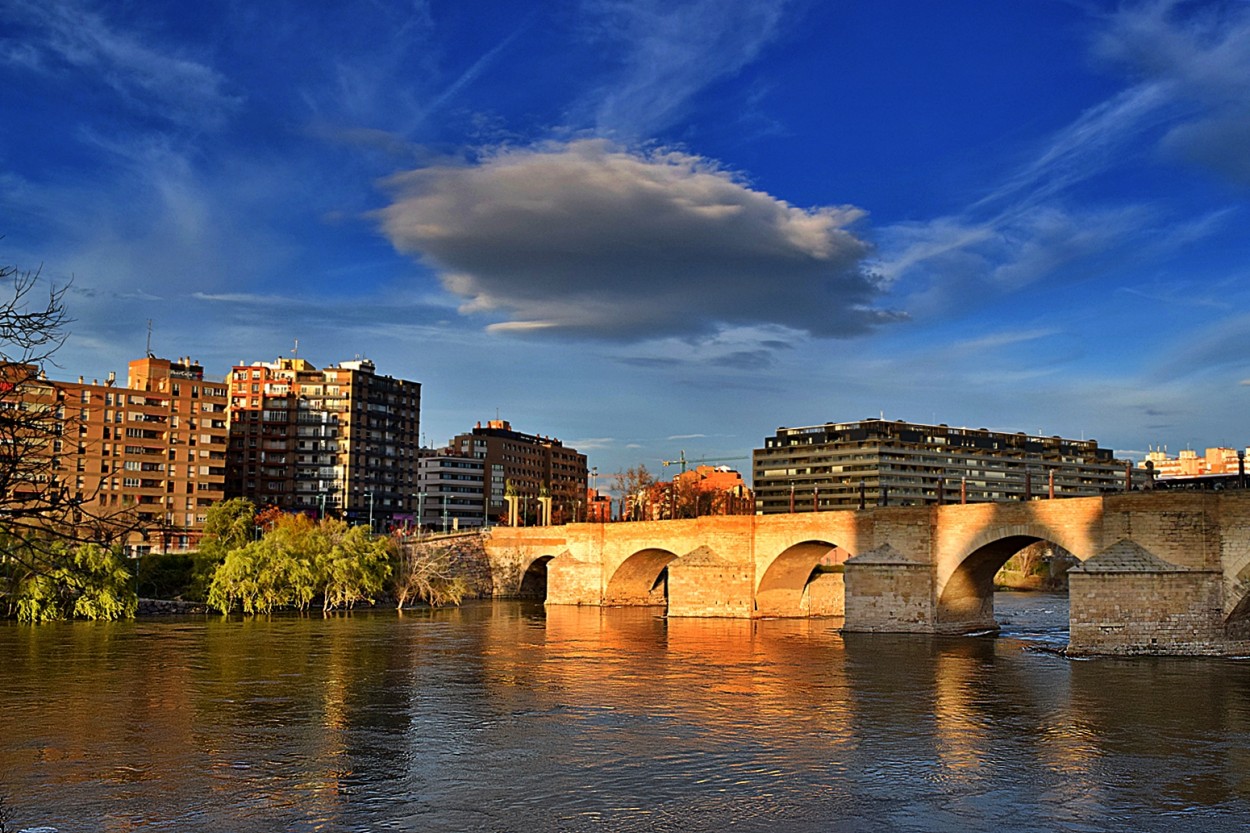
(145, 460)
(341, 440)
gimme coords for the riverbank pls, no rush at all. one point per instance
(169, 607)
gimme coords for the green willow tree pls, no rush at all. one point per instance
(84, 581)
(298, 560)
(228, 525)
(356, 567)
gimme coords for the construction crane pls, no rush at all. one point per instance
(681, 458)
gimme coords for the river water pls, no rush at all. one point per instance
(500, 716)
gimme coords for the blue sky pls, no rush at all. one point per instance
(654, 227)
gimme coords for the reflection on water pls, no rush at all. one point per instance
(503, 716)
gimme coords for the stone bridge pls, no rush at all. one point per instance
(1161, 572)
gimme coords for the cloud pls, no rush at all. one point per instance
(667, 53)
(588, 239)
(952, 262)
(58, 37)
(1189, 96)
(1200, 56)
(585, 444)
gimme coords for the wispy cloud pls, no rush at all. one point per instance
(1198, 55)
(667, 53)
(585, 444)
(60, 36)
(1190, 93)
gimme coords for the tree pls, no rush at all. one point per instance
(633, 485)
(228, 525)
(356, 567)
(86, 581)
(427, 573)
(279, 570)
(42, 519)
(295, 561)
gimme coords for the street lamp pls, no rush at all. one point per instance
(369, 495)
(420, 507)
(444, 514)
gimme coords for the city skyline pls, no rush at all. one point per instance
(651, 228)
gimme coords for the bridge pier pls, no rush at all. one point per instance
(1127, 601)
(702, 583)
(888, 593)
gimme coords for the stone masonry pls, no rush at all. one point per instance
(1163, 572)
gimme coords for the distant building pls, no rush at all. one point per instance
(533, 465)
(598, 507)
(341, 440)
(875, 462)
(1187, 463)
(700, 491)
(717, 490)
(450, 492)
(145, 460)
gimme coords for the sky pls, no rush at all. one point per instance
(656, 227)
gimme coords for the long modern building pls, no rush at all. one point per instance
(875, 462)
(341, 441)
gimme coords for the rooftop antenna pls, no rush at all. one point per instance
(295, 352)
(149, 349)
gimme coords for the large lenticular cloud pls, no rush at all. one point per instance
(586, 239)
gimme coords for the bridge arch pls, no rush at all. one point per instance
(784, 589)
(641, 579)
(1237, 622)
(534, 579)
(965, 594)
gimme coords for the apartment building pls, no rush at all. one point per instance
(450, 492)
(143, 462)
(532, 465)
(341, 440)
(875, 462)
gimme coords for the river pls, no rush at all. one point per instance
(503, 716)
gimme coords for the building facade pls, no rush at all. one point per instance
(341, 441)
(450, 492)
(598, 507)
(140, 463)
(875, 462)
(528, 466)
